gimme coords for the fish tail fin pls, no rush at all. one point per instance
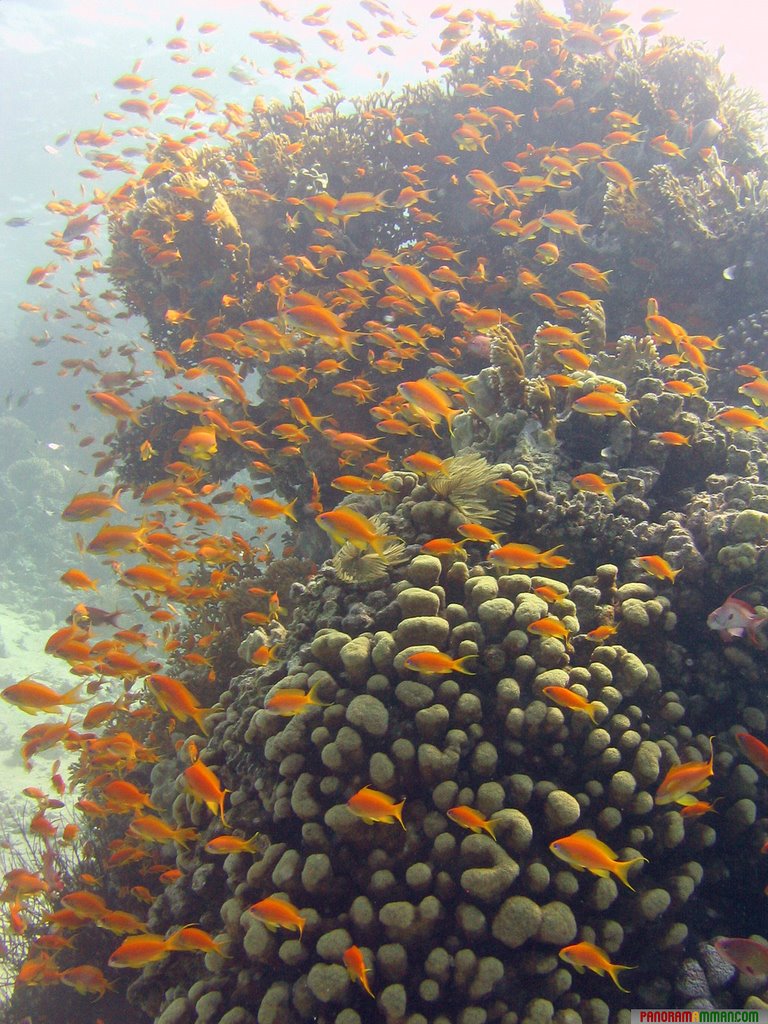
(621, 869)
(199, 716)
(289, 510)
(591, 709)
(459, 665)
(397, 811)
(450, 416)
(347, 341)
(490, 827)
(254, 843)
(627, 409)
(548, 554)
(379, 543)
(184, 836)
(73, 696)
(312, 698)
(613, 970)
(224, 821)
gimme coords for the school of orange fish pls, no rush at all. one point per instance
(319, 304)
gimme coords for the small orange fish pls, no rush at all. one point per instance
(658, 567)
(583, 851)
(203, 786)
(511, 490)
(424, 462)
(344, 524)
(471, 819)
(600, 633)
(549, 626)
(225, 845)
(90, 505)
(190, 939)
(755, 750)
(291, 701)
(173, 697)
(278, 912)
(684, 388)
(268, 508)
(672, 437)
(86, 979)
(524, 556)
(139, 950)
(151, 829)
(429, 399)
(600, 403)
(31, 696)
(741, 419)
(113, 405)
(373, 806)
(684, 779)
(443, 546)
(696, 810)
(355, 964)
(434, 663)
(480, 534)
(78, 580)
(573, 701)
(595, 484)
(585, 954)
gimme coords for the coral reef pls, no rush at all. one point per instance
(490, 630)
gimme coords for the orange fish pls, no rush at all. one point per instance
(204, 787)
(150, 829)
(86, 979)
(755, 750)
(658, 567)
(595, 484)
(199, 443)
(510, 489)
(471, 819)
(225, 845)
(424, 462)
(741, 419)
(173, 697)
(523, 556)
(672, 437)
(355, 964)
(278, 912)
(415, 284)
(123, 795)
(373, 806)
(434, 663)
(480, 534)
(90, 505)
(78, 580)
(345, 525)
(573, 701)
(549, 626)
(443, 546)
(268, 508)
(585, 955)
(582, 851)
(684, 779)
(139, 950)
(113, 405)
(424, 396)
(291, 701)
(31, 696)
(190, 939)
(600, 403)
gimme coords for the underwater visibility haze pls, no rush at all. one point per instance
(385, 519)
